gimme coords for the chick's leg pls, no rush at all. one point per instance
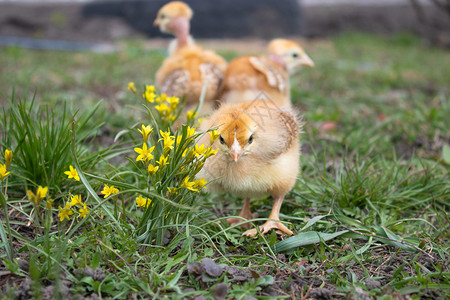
(274, 215)
(245, 213)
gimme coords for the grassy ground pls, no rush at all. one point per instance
(370, 209)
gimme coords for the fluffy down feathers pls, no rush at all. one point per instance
(251, 77)
(185, 73)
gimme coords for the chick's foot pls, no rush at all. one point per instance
(235, 221)
(267, 227)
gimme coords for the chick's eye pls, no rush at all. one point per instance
(222, 141)
(162, 16)
(250, 139)
(295, 55)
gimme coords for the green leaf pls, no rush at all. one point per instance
(395, 240)
(265, 280)
(446, 153)
(312, 222)
(304, 239)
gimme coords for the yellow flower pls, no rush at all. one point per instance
(109, 190)
(162, 161)
(168, 139)
(190, 185)
(152, 169)
(190, 132)
(75, 200)
(146, 131)
(187, 151)
(209, 152)
(3, 172)
(83, 211)
(144, 153)
(172, 191)
(163, 108)
(31, 197)
(173, 102)
(41, 193)
(149, 94)
(8, 157)
(191, 115)
(65, 212)
(143, 202)
(200, 183)
(72, 173)
(132, 87)
(49, 203)
(214, 134)
(171, 117)
(199, 150)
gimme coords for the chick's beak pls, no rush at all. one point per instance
(307, 61)
(156, 23)
(236, 150)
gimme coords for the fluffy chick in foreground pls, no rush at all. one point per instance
(246, 77)
(258, 154)
(189, 67)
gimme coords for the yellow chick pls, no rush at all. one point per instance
(248, 76)
(258, 154)
(189, 67)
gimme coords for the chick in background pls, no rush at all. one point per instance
(258, 154)
(247, 77)
(189, 67)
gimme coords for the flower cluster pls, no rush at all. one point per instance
(71, 206)
(166, 106)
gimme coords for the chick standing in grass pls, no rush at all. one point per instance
(189, 67)
(246, 77)
(258, 154)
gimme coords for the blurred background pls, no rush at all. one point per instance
(105, 21)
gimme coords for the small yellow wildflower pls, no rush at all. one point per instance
(65, 212)
(190, 131)
(49, 203)
(191, 115)
(200, 183)
(83, 211)
(152, 169)
(169, 140)
(199, 150)
(190, 185)
(145, 154)
(8, 157)
(72, 173)
(75, 200)
(3, 172)
(107, 191)
(132, 87)
(200, 121)
(162, 161)
(163, 108)
(187, 151)
(209, 152)
(171, 117)
(172, 191)
(146, 131)
(41, 193)
(143, 202)
(214, 134)
(149, 94)
(31, 197)
(173, 102)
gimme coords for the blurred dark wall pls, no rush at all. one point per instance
(212, 19)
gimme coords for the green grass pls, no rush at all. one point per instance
(369, 211)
